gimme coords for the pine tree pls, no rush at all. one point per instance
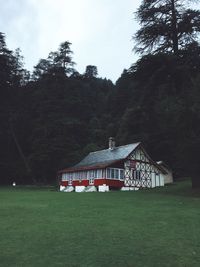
(166, 25)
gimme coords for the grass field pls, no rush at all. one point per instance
(157, 227)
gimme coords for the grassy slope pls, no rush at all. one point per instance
(158, 227)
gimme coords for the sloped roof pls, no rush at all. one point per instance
(103, 158)
(107, 155)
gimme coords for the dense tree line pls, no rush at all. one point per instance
(50, 120)
(53, 117)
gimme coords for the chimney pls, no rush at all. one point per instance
(111, 143)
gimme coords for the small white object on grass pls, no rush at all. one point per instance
(14, 184)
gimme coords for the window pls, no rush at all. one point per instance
(67, 176)
(121, 174)
(112, 173)
(108, 173)
(64, 177)
(91, 174)
(70, 178)
(81, 176)
(99, 173)
(115, 173)
(91, 181)
(136, 175)
(95, 173)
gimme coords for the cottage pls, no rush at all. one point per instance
(127, 167)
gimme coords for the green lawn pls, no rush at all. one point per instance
(156, 227)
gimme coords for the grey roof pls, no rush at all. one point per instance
(107, 155)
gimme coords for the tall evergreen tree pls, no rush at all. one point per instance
(12, 77)
(91, 72)
(166, 25)
(58, 62)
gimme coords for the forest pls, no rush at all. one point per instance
(52, 117)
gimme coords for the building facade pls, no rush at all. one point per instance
(127, 167)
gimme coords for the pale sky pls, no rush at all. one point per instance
(100, 31)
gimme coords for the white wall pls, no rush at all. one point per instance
(168, 178)
(79, 188)
(103, 188)
(157, 180)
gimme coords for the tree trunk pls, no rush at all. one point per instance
(29, 171)
(174, 28)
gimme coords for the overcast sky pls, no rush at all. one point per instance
(100, 31)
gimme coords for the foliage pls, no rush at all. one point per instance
(57, 62)
(49, 121)
(12, 78)
(91, 72)
(170, 30)
(158, 108)
(52, 120)
(166, 25)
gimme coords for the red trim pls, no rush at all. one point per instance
(82, 182)
(114, 183)
(64, 183)
(97, 182)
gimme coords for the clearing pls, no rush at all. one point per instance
(156, 227)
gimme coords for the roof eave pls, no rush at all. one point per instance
(91, 167)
